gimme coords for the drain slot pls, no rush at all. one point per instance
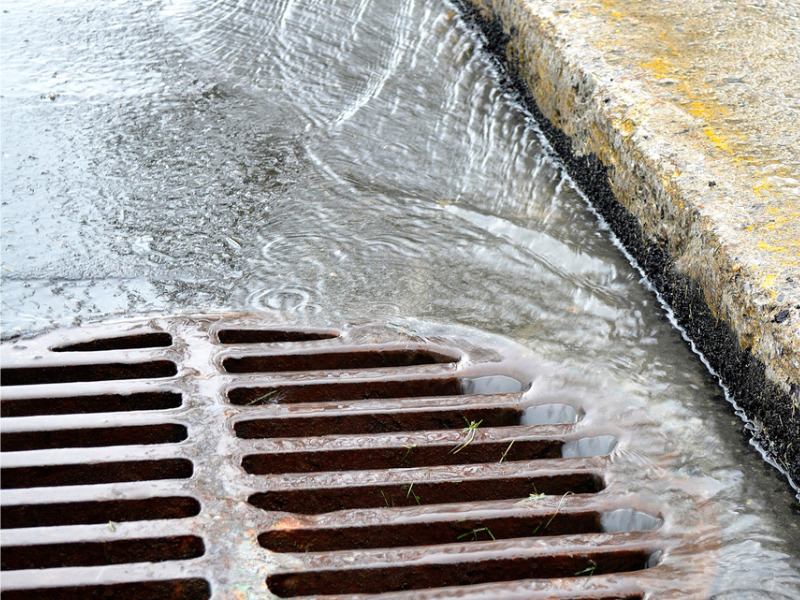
(430, 532)
(92, 474)
(271, 336)
(105, 511)
(330, 361)
(166, 433)
(90, 554)
(322, 500)
(601, 445)
(549, 414)
(376, 422)
(175, 589)
(367, 390)
(337, 392)
(97, 372)
(90, 404)
(442, 574)
(124, 342)
(401, 457)
(628, 519)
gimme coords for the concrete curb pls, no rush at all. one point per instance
(715, 230)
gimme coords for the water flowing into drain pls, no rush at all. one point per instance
(361, 461)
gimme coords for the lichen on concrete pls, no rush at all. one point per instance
(681, 122)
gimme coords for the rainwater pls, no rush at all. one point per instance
(336, 161)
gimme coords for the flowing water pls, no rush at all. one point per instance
(332, 161)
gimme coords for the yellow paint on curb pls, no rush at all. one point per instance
(770, 247)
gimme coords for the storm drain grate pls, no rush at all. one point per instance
(190, 458)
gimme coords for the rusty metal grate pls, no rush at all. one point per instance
(190, 458)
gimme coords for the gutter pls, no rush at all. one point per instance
(717, 234)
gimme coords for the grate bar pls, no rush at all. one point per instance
(99, 540)
(57, 457)
(448, 438)
(133, 490)
(440, 473)
(120, 574)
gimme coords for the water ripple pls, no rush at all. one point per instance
(291, 299)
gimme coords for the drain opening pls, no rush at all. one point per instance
(401, 457)
(340, 391)
(167, 433)
(490, 384)
(628, 519)
(376, 422)
(71, 405)
(430, 532)
(271, 336)
(90, 554)
(97, 372)
(289, 535)
(414, 576)
(602, 445)
(549, 414)
(93, 474)
(333, 361)
(174, 589)
(329, 499)
(369, 390)
(125, 342)
(104, 511)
